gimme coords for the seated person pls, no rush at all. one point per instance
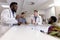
(21, 19)
(36, 19)
(53, 29)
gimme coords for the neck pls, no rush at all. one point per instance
(12, 10)
(35, 16)
(53, 24)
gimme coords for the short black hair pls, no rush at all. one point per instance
(13, 3)
(35, 11)
(54, 18)
(22, 13)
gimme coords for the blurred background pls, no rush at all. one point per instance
(46, 9)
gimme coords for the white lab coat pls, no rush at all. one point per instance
(38, 20)
(7, 17)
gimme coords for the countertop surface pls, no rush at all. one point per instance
(26, 32)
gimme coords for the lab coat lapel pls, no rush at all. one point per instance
(37, 19)
(11, 14)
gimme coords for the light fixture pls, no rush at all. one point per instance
(5, 6)
(57, 2)
(51, 5)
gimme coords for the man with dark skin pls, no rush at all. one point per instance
(8, 16)
(13, 7)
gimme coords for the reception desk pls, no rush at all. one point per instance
(27, 32)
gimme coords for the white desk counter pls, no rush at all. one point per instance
(25, 32)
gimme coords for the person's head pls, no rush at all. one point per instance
(13, 6)
(22, 14)
(52, 20)
(35, 13)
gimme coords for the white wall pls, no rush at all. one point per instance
(50, 12)
(1, 9)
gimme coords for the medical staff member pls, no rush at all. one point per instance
(22, 19)
(8, 15)
(36, 19)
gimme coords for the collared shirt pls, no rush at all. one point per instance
(13, 13)
(35, 18)
(22, 20)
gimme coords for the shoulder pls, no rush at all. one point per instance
(32, 16)
(39, 17)
(51, 27)
(6, 10)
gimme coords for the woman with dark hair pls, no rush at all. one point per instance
(52, 21)
(53, 29)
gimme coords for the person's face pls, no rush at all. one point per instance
(14, 7)
(35, 13)
(23, 15)
(50, 21)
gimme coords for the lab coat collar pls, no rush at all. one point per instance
(11, 14)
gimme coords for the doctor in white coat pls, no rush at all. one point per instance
(8, 16)
(36, 19)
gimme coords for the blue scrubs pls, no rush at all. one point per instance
(22, 20)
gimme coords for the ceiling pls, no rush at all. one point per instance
(25, 5)
(3, 1)
(46, 4)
